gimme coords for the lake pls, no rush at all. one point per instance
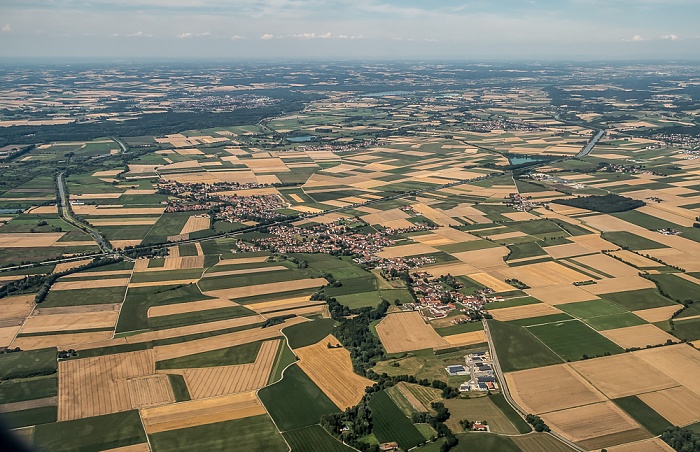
(523, 159)
(302, 139)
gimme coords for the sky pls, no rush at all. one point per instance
(351, 29)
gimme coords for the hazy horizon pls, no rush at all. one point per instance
(341, 30)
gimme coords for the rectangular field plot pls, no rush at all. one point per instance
(314, 439)
(678, 405)
(519, 349)
(596, 426)
(572, 340)
(551, 388)
(644, 414)
(390, 424)
(638, 336)
(407, 331)
(478, 408)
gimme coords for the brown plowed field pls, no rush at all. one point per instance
(638, 336)
(151, 390)
(622, 375)
(207, 382)
(406, 331)
(222, 341)
(331, 370)
(264, 289)
(200, 412)
(94, 386)
(679, 405)
(596, 426)
(551, 388)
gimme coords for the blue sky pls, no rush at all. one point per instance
(351, 29)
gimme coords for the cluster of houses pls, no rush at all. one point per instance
(198, 190)
(479, 367)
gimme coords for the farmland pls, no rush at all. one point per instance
(257, 283)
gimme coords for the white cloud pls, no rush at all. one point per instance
(139, 34)
(237, 37)
(671, 37)
(313, 36)
(193, 35)
(636, 38)
(6, 28)
(266, 37)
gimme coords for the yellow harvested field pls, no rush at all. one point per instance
(116, 211)
(434, 215)
(227, 340)
(201, 412)
(491, 282)
(560, 294)
(94, 386)
(622, 375)
(635, 259)
(594, 242)
(69, 322)
(167, 282)
(606, 264)
(680, 406)
(265, 289)
(331, 370)
(245, 271)
(638, 336)
(545, 274)
(624, 284)
(680, 362)
(406, 331)
(407, 250)
(63, 266)
(13, 310)
(91, 284)
(122, 243)
(452, 269)
(567, 250)
(656, 314)
(205, 382)
(484, 259)
(42, 210)
(507, 235)
(242, 260)
(141, 447)
(60, 340)
(473, 337)
(29, 240)
(150, 390)
(596, 426)
(433, 240)
(7, 334)
(124, 221)
(523, 312)
(646, 445)
(192, 306)
(278, 305)
(551, 388)
(195, 223)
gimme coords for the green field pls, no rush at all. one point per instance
(28, 389)
(80, 297)
(572, 340)
(639, 299)
(610, 322)
(285, 357)
(28, 363)
(541, 319)
(390, 424)
(644, 414)
(177, 382)
(484, 442)
(240, 354)
(168, 224)
(32, 416)
(198, 317)
(461, 328)
(677, 288)
(500, 401)
(314, 439)
(478, 408)
(634, 242)
(256, 433)
(518, 348)
(295, 401)
(308, 333)
(92, 433)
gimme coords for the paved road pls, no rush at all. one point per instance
(591, 144)
(67, 215)
(121, 144)
(506, 392)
